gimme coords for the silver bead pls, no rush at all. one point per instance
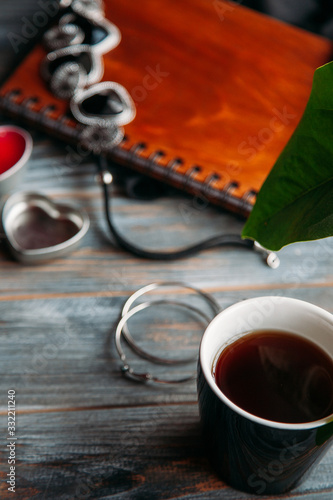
(66, 80)
(62, 36)
(98, 139)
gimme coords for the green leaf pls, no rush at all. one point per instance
(295, 203)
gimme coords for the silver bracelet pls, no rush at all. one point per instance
(148, 288)
(128, 311)
(148, 377)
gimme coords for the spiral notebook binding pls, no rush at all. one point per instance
(230, 187)
(209, 190)
(250, 195)
(156, 156)
(169, 172)
(137, 148)
(190, 175)
(28, 107)
(171, 166)
(187, 181)
(9, 100)
(67, 129)
(47, 110)
(63, 126)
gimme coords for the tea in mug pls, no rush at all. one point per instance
(278, 376)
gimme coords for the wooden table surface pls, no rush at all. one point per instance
(83, 430)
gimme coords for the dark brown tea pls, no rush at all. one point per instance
(278, 376)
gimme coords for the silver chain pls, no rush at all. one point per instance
(73, 69)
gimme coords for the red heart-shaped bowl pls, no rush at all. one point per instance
(15, 151)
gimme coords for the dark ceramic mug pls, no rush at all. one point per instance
(250, 453)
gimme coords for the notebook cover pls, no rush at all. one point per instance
(219, 90)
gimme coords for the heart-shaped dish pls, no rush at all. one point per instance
(15, 151)
(38, 229)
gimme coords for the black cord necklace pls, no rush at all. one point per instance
(106, 180)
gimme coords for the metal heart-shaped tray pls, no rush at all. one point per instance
(38, 229)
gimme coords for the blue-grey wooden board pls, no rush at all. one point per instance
(85, 432)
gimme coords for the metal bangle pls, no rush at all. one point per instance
(148, 377)
(153, 286)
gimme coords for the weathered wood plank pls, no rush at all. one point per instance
(98, 265)
(150, 453)
(157, 225)
(59, 353)
(84, 431)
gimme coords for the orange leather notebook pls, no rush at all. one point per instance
(219, 90)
